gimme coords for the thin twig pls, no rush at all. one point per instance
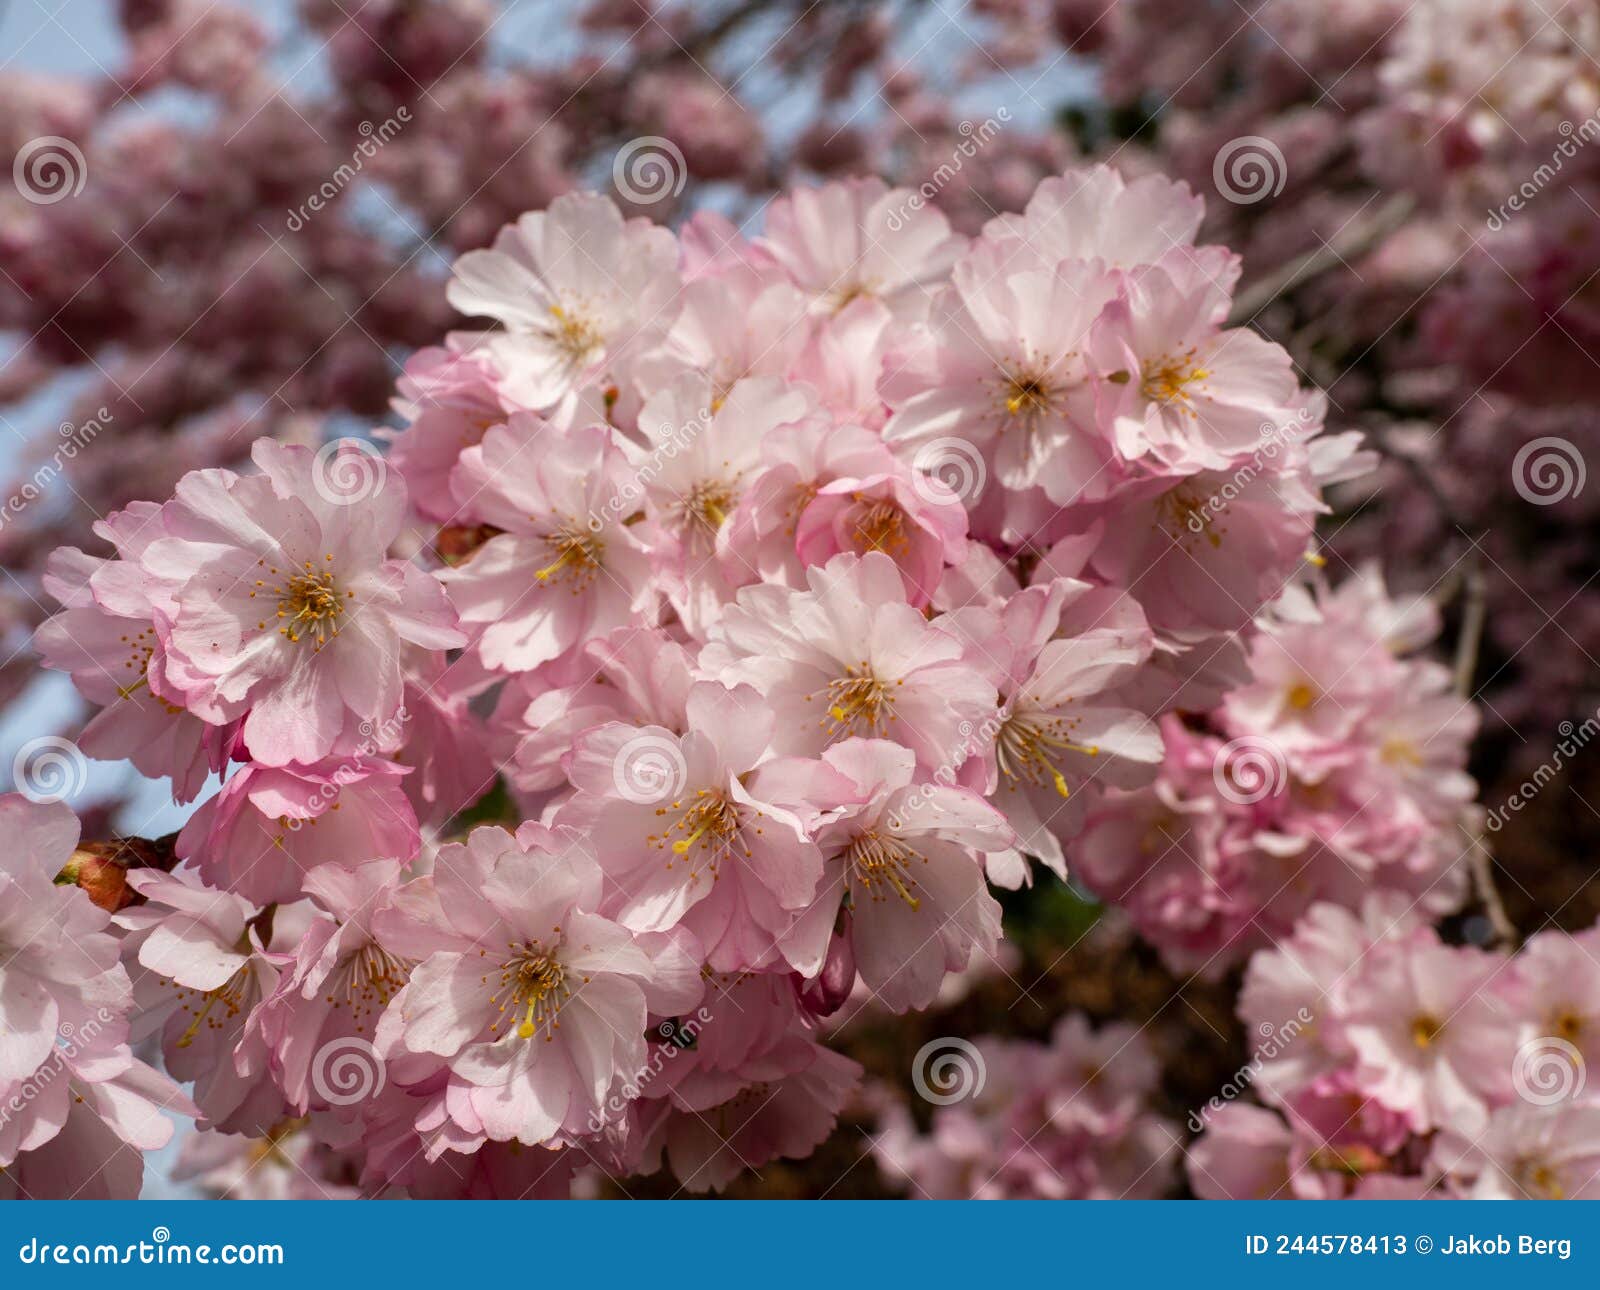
(1356, 240)
(1480, 858)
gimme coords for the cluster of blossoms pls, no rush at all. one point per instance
(801, 587)
(1065, 1120)
(1336, 769)
(77, 1108)
(1404, 1067)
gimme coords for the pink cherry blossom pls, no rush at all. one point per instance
(270, 825)
(284, 607)
(536, 1003)
(579, 291)
(849, 656)
(564, 567)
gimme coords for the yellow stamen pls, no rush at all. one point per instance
(876, 861)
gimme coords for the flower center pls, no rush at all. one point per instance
(1425, 1029)
(1400, 752)
(1167, 380)
(574, 336)
(309, 602)
(881, 865)
(1568, 1025)
(1027, 746)
(858, 702)
(140, 647)
(880, 526)
(708, 826)
(1537, 1178)
(1026, 395)
(1183, 515)
(577, 552)
(369, 979)
(705, 507)
(533, 983)
(230, 996)
(845, 293)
